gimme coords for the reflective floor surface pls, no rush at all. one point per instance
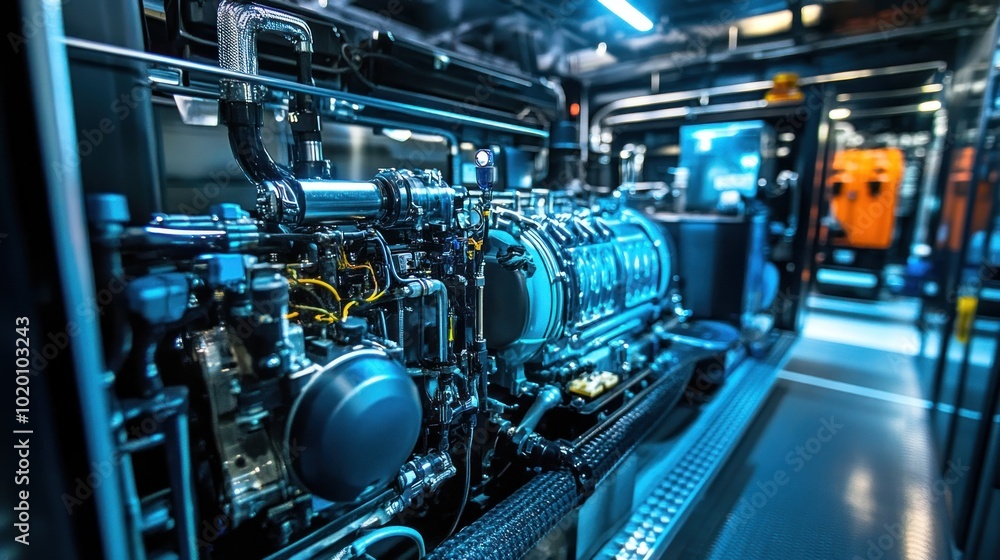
(841, 462)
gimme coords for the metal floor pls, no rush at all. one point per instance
(839, 463)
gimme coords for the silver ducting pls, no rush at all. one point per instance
(239, 24)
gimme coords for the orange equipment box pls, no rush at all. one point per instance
(863, 187)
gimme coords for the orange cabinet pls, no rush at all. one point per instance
(863, 186)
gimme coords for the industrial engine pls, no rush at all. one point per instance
(354, 359)
(520, 280)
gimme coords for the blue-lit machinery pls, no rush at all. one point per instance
(720, 224)
(353, 360)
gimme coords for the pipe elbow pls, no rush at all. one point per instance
(239, 23)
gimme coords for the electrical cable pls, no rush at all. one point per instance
(360, 546)
(375, 293)
(322, 284)
(349, 305)
(354, 67)
(324, 314)
(468, 484)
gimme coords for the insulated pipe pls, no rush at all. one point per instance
(239, 24)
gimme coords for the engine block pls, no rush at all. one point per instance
(564, 279)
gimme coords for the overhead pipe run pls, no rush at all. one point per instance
(749, 87)
(601, 116)
(778, 49)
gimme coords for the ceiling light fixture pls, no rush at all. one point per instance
(929, 106)
(840, 114)
(627, 12)
(397, 134)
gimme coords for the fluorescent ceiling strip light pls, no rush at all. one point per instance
(627, 12)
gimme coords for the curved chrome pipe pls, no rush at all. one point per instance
(239, 24)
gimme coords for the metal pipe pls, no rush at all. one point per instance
(359, 547)
(676, 96)
(932, 166)
(480, 280)
(685, 112)
(395, 107)
(181, 477)
(279, 195)
(420, 287)
(560, 94)
(133, 504)
(886, 94)
(341, 201)
(547, 399)
(239, 24)
(778, 49)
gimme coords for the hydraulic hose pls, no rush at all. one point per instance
(512, 528)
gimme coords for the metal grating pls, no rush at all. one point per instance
(697, 458)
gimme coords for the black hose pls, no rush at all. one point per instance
(516, 525)
(245, 123)
(384, 247)
(245, 127)
(468, 482)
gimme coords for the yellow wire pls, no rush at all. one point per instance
(322, 284)
(349, 305)
(375, 293)
(322, 312)
(292, 315)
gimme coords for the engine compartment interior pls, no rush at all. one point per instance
(342, 281)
